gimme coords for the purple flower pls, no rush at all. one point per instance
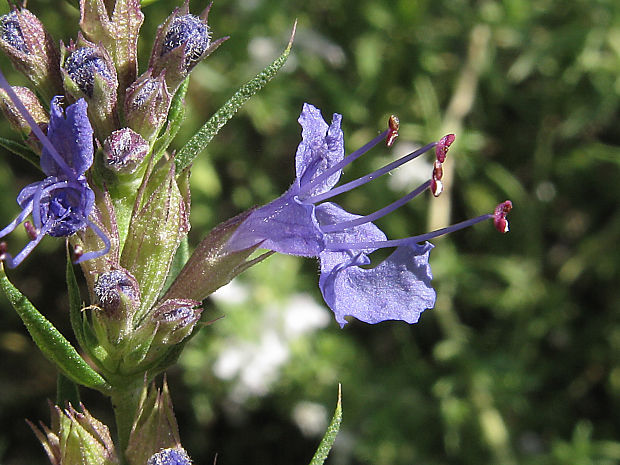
(301, 222)
(61, 203)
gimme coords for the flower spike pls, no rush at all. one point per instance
(301, 222)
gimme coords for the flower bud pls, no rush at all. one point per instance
(116, 26)
(189, 32)
(155, 427)
(89, 73)
(82, 66)
(146, 104)
(170, 457)
(76, 438)
(182, 41)
(17, 121)
(11, 32)
(31, 50)
(118, 299)
(175, 319)
(117, 293)
(124, 151)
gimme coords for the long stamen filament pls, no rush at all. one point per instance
(408, 240)
(17, 221)
(95, 253)
(369, 177)
(342, 163)
(13, 262)
(378, 214)
(34, 126)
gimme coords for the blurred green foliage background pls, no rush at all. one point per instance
(519, 361)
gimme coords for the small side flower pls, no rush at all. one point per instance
(60, 204)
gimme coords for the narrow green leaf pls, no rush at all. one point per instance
(176, 115)
(66, 392)
(50, 341)
(203, 137)
(21, 151)
(330, 435)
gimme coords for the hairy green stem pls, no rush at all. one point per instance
(125, 403)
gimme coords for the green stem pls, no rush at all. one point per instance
(125, 404)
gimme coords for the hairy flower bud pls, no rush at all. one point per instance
(146, 104)
(31, 50)
(88, 72)
(76, 438)
(116, 26)
(124, 151)
(182, 41)
(11, 32)
(82, 66)
(175, 319)
(118, 297)
(17, 121)
(190, 32)
(116, 290)
(170, 457)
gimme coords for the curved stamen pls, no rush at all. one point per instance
(342, 163)
(12, 262)
(369, 177)
(35, 127)
(378, 214)
(408, 240)
(96, 253)
(18, 220)
(36, 212)
(36, 209)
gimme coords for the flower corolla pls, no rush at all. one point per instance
(301, 222)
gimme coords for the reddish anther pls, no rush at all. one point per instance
(31, 230)
(78, 251)
(393, 124)
(437, 170)
(442, 147)
(436, 187)
(499, 216)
